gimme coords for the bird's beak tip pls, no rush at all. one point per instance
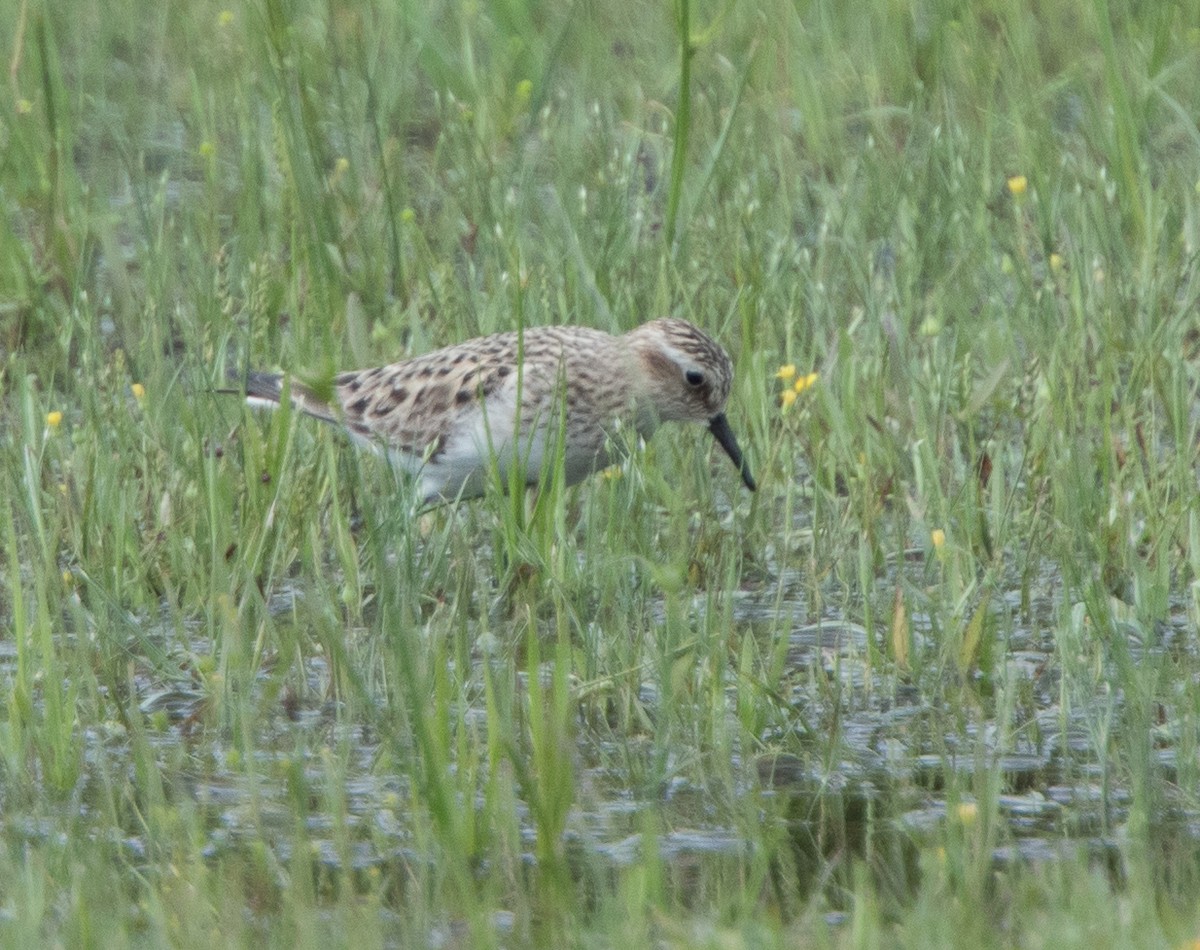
(718, 425)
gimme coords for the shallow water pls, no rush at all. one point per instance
(901, 762)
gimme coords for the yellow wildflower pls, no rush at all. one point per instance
(938, 537)
(1018, 185)
(787, 373)
(966, 812)
(806, 382)
(524, 93)
(225, 18)
(340, 167)
(1056, 263)
(207, 149)
(138, 390)
(787, 397)
(54, 419)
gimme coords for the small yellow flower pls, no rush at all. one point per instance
(138, 390)
(612, 473)
(340, 167)
(966, 813)
(524, 93)
(1018, 185)
(225, 18)
(24, 107)
(207, 149)
(1056, 263)
(805, 382)
(54, 419)
(787, 397)
(408, 215)
(68, 579)
(787, 372)
(938, 537)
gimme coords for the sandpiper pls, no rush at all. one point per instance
(443, 417)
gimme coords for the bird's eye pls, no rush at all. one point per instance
(694, 377)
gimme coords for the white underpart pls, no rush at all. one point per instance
(478, 435)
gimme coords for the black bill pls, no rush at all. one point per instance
(718, 425)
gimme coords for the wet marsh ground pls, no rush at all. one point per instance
(936, 683)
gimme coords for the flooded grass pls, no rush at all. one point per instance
(934, 684)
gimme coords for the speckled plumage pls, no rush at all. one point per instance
(444, 415)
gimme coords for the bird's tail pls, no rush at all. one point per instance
(266, 390)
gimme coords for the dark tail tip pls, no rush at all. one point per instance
(252, 384)
(268, 386)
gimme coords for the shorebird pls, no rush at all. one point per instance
(445, 416)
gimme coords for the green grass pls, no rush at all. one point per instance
(253, 696)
